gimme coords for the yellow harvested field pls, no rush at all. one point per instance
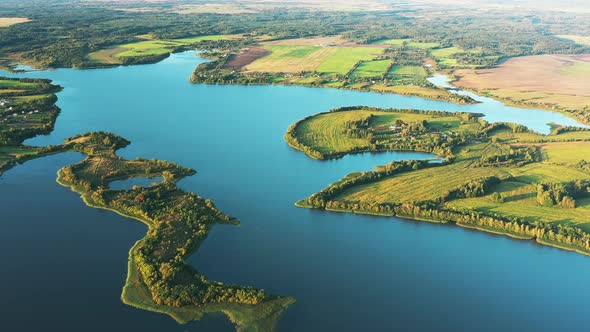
(426, 184)
(582, 40)
(566, 152)
(280, 61)
(8, 21)
(540, 80)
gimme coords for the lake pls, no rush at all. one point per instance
(64, 264)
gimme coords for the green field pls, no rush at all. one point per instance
(446, 52)
(520, 202)
(570, 153)
(282, 51)
(393, 42)
(15, 84)
(329, 134)
(344, 58)
(444, 56)
(425, 184)
(374, 68)
(421, 45)
(324, 132)
(326, 60)
(149, 47)
(416, 73)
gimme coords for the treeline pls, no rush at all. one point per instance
(562, 194)
(558, 129)
(568, 237)
(471, 189)
(508, 155)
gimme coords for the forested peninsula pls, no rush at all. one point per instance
(159, 279)
(496, 177)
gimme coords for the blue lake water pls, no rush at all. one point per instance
(64, 264)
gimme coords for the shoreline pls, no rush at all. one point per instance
(484, 229)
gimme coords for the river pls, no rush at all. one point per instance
(64, 264)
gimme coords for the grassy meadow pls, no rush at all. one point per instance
(375, 68)
(328, 132)
(148, 47)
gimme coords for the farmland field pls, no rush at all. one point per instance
(371, 68)
(412, 90)
(567, 152)
(329, 133)
(14, 84)
(532, 80)
(324, 132)
(422, 45)
(344, 58)
(520, 201)
(293, 59)
(425, 184)
(408, 72)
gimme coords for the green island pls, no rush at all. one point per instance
(501, 178)
(159, 279)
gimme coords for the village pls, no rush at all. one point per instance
(412, 131)
(10, 115)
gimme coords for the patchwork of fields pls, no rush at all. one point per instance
(323, 59)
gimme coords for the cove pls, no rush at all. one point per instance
(348, 272)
